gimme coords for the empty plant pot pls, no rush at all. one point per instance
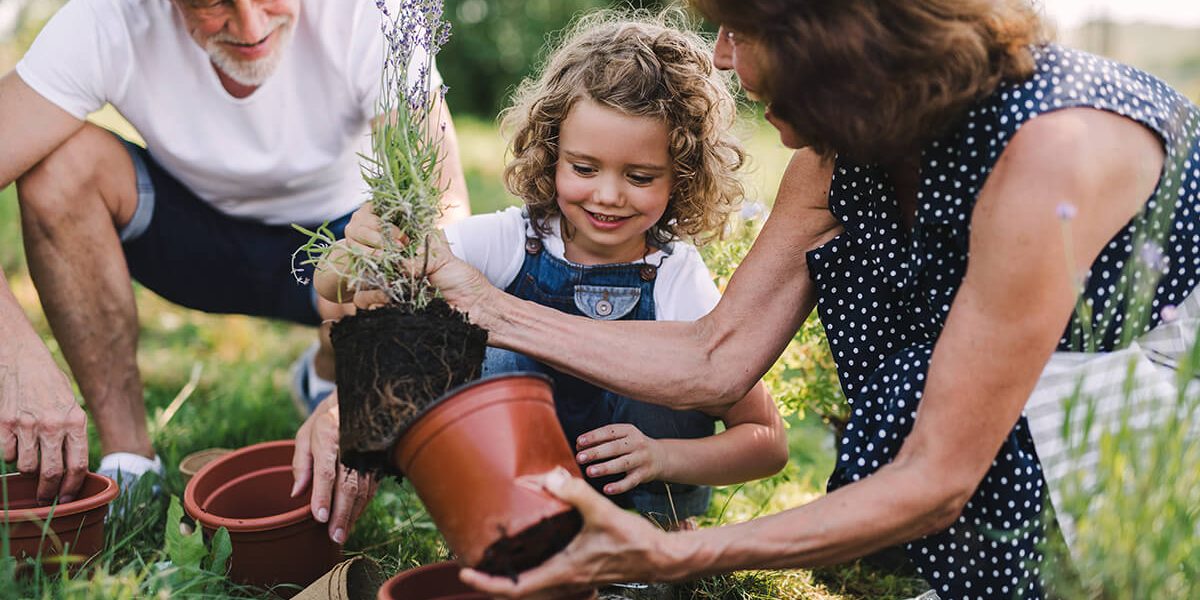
(356, 579)
(69, 533)
(439, 581)
(192, 463)
(466, 458)
(275, 538)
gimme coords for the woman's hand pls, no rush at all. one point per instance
(316, 461)
(626, 450)
(613, 546)
(462, 285)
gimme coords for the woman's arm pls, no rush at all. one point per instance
(1015, 301)
(707, 363)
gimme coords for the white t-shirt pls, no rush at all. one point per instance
(285, 154)
(495, 244)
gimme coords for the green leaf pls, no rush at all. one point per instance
(183, 550)
(222, 549)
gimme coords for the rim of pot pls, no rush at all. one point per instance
(256, 524)
(103, 497)
(467, 386)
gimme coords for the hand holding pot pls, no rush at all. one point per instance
(613, 546)
(39, 416)
(316, 462)
(625, 449)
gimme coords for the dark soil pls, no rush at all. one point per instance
(391, 365)
(527, 549)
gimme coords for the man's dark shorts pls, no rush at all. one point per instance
(196, 256)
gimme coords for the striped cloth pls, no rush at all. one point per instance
(1137, 384)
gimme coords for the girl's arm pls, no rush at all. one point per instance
(752, 446)
(1015, 300)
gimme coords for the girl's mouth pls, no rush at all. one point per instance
(604, 221)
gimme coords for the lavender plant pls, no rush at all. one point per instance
(403, 171)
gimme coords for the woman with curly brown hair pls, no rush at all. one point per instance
(944, 151)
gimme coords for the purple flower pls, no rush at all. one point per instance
(1152, 256)
(1066, 211)
(1169, 313)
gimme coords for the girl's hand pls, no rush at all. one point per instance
(613, 546)
(462, 285)
(626, 450)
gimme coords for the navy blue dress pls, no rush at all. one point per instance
(885, 292)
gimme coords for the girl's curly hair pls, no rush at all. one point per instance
(877, 79)
(644, 66)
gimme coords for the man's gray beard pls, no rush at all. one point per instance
(251, 73)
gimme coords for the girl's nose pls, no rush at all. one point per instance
(606, 192)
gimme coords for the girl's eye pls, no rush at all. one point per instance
(640, 179)
(583, 169)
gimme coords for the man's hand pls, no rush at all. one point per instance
(316, 462)
(613, 546)
(39, 417)
(626, 450)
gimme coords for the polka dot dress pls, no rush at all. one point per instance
(885, 292)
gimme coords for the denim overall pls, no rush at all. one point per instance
(605, 292)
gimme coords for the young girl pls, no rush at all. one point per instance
(621, 150)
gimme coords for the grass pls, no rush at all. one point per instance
(238, 366)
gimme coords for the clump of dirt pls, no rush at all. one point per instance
(392, 364)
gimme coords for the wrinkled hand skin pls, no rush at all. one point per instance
(613, 546)
(339, 495)
(39, 417)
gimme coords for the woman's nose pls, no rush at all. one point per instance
(723, 51)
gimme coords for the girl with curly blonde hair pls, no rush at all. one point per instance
(621, 151)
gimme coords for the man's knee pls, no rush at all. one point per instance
(92, 166)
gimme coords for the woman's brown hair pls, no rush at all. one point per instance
(640, 65)
(877, 79)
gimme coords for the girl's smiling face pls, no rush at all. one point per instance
(614, 179)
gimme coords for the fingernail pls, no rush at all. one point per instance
(65, 498)
(339, 535)
(556, 479)
(295, 489)
(323, 515)
(581, 458)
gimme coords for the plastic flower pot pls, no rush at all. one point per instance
(274, 536)
(468, 456)
(439, 581)
(192, 463)
(68, 533)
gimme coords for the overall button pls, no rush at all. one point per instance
(648, 272)
(604, 308)
(533, 245)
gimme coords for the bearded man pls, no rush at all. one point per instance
(253, 112)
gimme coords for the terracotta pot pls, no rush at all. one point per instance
(76, 529)
(439, 581)
(275, 538)
(192, 463)
(465, 457)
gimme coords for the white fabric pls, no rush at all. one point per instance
(285, 154)
(1147, 368)
(495, 244)
(128, 463)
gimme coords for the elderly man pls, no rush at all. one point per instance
(253, 112)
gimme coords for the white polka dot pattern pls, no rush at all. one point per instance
(884, 295)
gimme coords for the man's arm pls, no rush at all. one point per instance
(37, 407)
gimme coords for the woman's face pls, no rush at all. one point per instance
(745, 56)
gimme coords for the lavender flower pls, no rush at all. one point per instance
(1066, 211)
(1152, 256)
